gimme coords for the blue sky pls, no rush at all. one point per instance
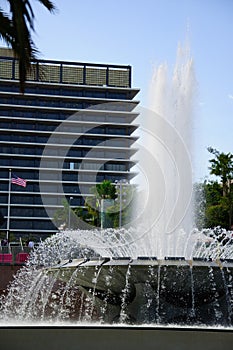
(144, 34)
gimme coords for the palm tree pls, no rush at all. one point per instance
(15, 30)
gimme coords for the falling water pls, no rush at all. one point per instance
(192, 313)
(94, 281)
(216, 305)
(157, 297)
(108, 283)
(125, 293)
(229, 279)
(227, 296)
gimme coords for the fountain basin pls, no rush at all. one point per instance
(151, 291)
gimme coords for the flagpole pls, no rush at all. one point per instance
(8, 207)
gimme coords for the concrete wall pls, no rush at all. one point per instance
(101, 338)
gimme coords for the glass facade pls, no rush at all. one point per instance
(69, 131)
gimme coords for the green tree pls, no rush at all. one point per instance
(16, 29)
(222, 166)
(212, 193)
(91, 213)
(217, 215)
(211, 208)
(106, 190)
(127, 206)
(103, 190)
(216, 206)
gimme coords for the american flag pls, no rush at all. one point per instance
(18, 181)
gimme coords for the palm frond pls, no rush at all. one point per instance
(16, 29)
(28, 13)
(48, 4)
(6, 30)
(22, 43)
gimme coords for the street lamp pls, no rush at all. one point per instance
(120, 185)
(69, 212)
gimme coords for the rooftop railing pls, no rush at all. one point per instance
(62, 72)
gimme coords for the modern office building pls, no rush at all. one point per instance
(71, 129)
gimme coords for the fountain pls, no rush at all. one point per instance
(155, 272)
(69, 281)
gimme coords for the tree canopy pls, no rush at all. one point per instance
(214, 199)
(222, 166)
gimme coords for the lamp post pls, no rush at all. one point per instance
(120, 185)
(69, 212)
